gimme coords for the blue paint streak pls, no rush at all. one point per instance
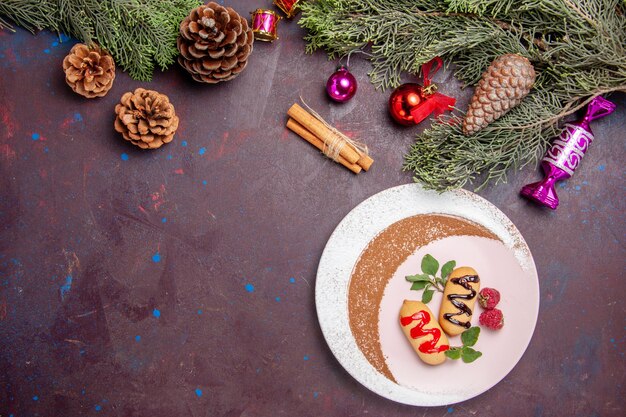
(204, 182)
(156, 313)
(183, 143)
(98, 407)
(202, 151)
(306, 357)
(316, 394)
(35, 398)
(35, 136)
(602, 168)
(198, 392)
(199, 311)
(169, 156)
(124, 157)
(65, 288)
(450, 409)
(277, 298)
(249, 287)
(156, 258)
(78, 117)
(585, 358)
(292, 280)
(55, 43)
(138, 338)
(164, 220)
(46, 51)
(577, 188)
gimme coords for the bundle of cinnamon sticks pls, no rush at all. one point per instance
(332, 143)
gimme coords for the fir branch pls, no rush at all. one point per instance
(137, 33)
(31, 15)
(576, 47)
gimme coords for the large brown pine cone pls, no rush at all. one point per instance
(214, 43)
(89, 71)
(506, 82)
(146, 118)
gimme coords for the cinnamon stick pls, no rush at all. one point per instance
(317, 128)
(315, 141)
(365, 161)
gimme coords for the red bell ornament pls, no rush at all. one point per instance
(411, 103)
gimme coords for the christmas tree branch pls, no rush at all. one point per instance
(528, 36)
(569, 109)
(31, 15)
(577, 49)
(137, 33)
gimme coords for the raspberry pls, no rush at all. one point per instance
(488, 298)
(492, 319)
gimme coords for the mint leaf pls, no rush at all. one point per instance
(429, 265)
(469, 355)
(453, 353)
(427, 296)
(470, 336)
(447, 268)
(419, 285)
(418, 277)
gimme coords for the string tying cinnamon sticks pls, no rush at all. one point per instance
(334, 144)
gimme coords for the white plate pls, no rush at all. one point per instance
(453, 381)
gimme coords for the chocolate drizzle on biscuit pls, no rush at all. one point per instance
(463, 281)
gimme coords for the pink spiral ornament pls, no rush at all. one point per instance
(565, 154)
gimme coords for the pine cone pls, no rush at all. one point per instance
(89, 71)
(214, 43)
(506, 82)
(146, 118)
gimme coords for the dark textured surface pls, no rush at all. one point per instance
(220, 233)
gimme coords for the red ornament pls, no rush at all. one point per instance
(403, 100)
(290, 7)
(411, 103)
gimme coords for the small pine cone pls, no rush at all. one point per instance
(214, 43)
(506, 82)
(146, 118)
(89, 71)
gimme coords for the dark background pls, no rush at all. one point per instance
(219, 234)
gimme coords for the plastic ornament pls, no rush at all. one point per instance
(403, 101)
(341, 85)
(411, 103)
(565, 154)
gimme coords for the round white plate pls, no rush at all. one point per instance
(417, 383)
